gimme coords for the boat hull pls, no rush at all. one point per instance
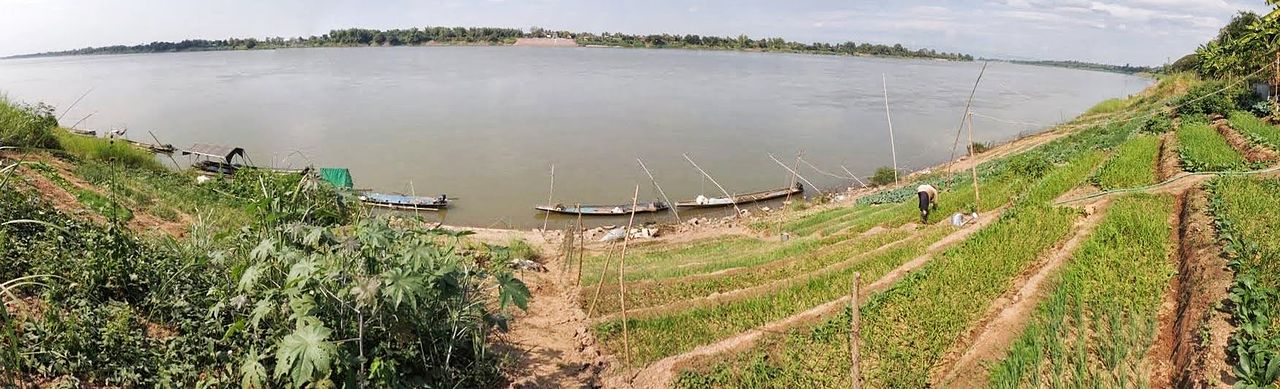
(745, 198)
(604, 210)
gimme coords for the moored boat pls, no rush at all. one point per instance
(710, 202)
(604, 210)
(398, 201)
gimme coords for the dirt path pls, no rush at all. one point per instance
(965, 364)
(1251, 152)
(550, 344)
(661, 373)
(1167, 163)
(1190, 348)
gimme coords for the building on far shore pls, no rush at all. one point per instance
(546, 42)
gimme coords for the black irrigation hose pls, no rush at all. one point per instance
(1167, 182)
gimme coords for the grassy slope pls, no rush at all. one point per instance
(1203, 149)
(1132, 165)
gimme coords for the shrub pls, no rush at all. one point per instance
(884, 175)
(27, 125)
(1205, 98)
(1157, 124)
(979, 147)
(1030, 164)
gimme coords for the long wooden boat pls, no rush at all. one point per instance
(704, 202)
(216, 167)
(154, 148)
(604, 210)
(398, 201)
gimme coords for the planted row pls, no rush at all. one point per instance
(1203, 149)
(1132, 165)
(657, 337)
(650, 294)
(1098, 321)
(1248, 223)
(1256, 130)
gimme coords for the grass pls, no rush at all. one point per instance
(1256, 130)
(26, 125)
(106, 150)
(1099, 319)
(657, 337)
(650, 294)
(1107, 106)
(1132, 165)
(702, 256)
(1202, 149)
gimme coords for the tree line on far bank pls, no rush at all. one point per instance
(505, 36)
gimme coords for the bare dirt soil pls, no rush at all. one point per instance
(1167, 164)
(1251, 152)
(1190, 348)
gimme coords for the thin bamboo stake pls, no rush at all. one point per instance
(600, 282)
(550, 193)
(664, 194)
(892, 148)
(967, 105)
(622, 287)
(784, 166)
(713, 181)
(977, 201)
(855, 334)
(855, 177)
(582, 246)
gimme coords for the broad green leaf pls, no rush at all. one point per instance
(305, 354)
(512, 290)
(252, 373)
(250, 277)
(264, 250)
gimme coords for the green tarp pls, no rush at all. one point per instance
(339, 177)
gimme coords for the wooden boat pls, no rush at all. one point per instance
(158, 149)
(83, 132)
(604, 210)
(216, 167)
(703, 202)
(398, 201)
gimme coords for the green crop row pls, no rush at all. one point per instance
(650, 294)
(645, 263)
(1203, 149)
(1255, 129)
(907, 328)
(1099, 320)
(657, 337)
(1249, 227)
(1133, 164)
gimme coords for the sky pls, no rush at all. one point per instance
(1139, 32)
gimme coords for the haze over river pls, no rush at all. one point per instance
(484, 124)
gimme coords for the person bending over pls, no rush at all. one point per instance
(928, 201)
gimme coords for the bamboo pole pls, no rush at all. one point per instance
(784, 166)
(967, 105)
(977, 201)
(622, 287)
(855, 334)
(664, 194)
(550, 193)
(600, 282)
(892, 147)
(582, 246)
(713, 181)
(855, 177)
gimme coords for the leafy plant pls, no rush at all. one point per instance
(1203, 149)
(884, 176)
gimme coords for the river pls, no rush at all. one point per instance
(485, 124)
